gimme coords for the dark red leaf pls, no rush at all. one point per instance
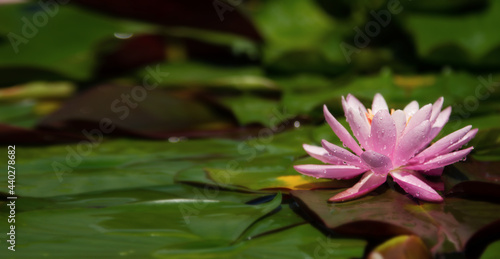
(12, 135)
(132, 53)
(477, 179)
(110, 110)
(190, 13)
(444, 227)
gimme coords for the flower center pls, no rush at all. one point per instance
(369, 116)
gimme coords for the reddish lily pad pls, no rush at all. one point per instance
(21, 136)
(474, 178)
(444, 227)
(480, 242)
(137, 111)
(207, 15)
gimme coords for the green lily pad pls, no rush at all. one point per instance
(20, 114)
(487, 145)
(268, 162)
(108, 198)
(250, 109)
(207, 75)
(72, 169)
(149, 225)
(281, 220)
(468, 38)
(299, 32)
(491, 251)
(24, 105)
(298, 242)
(269, 172)
(38, 90)
(64, 43)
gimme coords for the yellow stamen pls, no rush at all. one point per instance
(369, 115)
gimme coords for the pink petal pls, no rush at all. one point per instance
(441, 145)
(411, 109)
(399, 118)
(321, 154)
(383, 133)
(342, 154)
(434, 172)
(369, 182)
(419, 117)
(470, 135)
(441, 161)
(379, 103)
(441, 120)
(436, 109)
(330, 171)
(359, 126)
(416, 187)
(341, 132)
(354, 103)
(410, 143)
(379, 163)
(438, 186)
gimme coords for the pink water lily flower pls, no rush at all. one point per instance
(390, 142)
